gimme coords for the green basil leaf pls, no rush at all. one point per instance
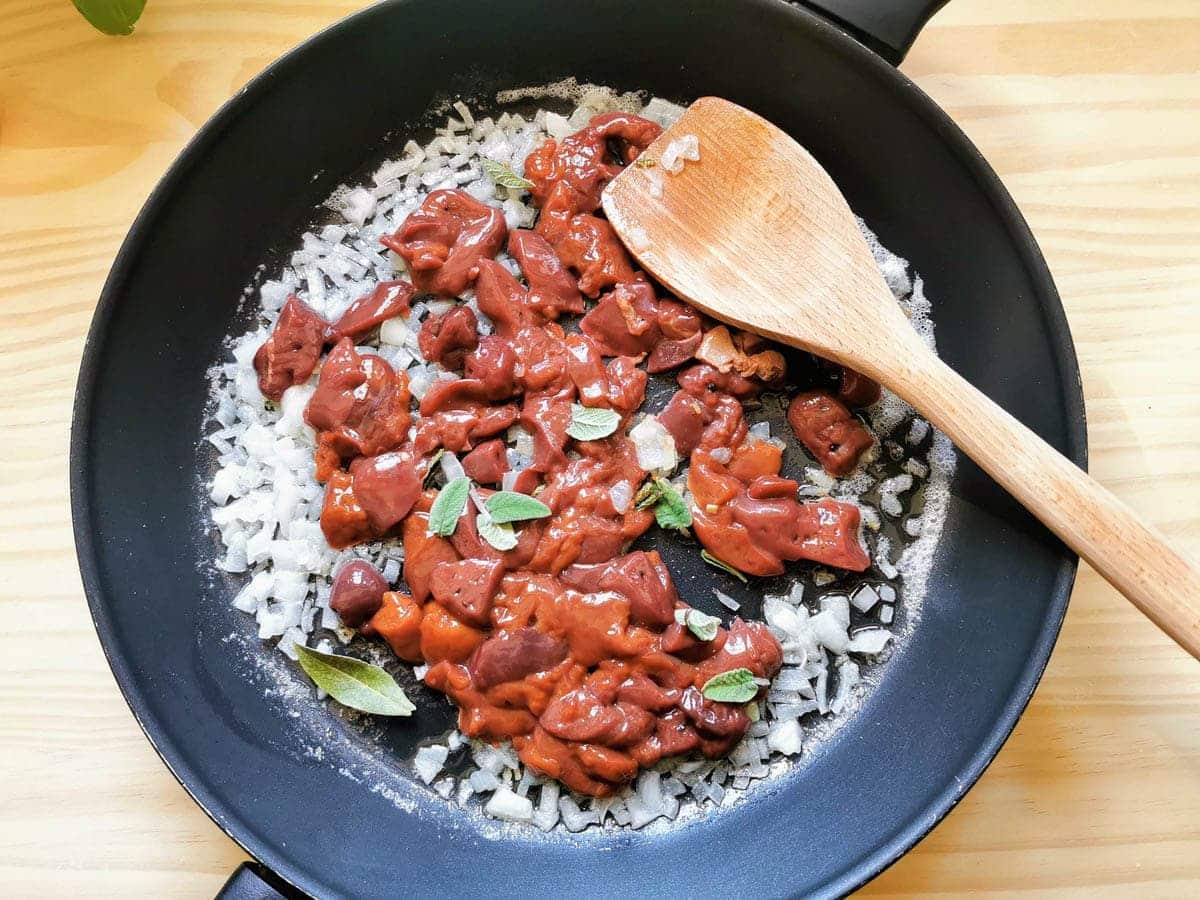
(114, 17)
(648, 495)
(504, 176)
(431, 469)
(502, 537)
(448, 506)
(723, 566)
(590, 423)
(511, 506)
(702, 625)
(734, 686)
(354, 683)
(671, 511)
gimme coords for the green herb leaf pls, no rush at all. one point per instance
(590, 423)
(504, 176)
(752, 711)
(431, 469)
(734, 686)
(354, 683)
(648, 494)
(448, 506)
(702, 625)
(501, 536)
(671, 511)
(511, 506)
(111, 16)
(723, 566)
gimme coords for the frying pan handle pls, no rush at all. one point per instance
(252, 881)
(886, 26)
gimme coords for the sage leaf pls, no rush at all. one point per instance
(115, 17)
(504, 176)
(648, 495)
(590, 423)
(512, 506)
(734, 686)
(448, 506)
(723, 566)
(702, 625)
(671, 510)
(354, 683)
(502, 537)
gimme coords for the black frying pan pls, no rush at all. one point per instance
(248, 185)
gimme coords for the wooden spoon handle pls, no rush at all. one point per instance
(1133, 556)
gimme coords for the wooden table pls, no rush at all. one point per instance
(1091, 114)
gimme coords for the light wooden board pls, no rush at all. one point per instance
(1091, 114)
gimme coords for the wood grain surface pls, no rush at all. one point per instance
(1090, 112)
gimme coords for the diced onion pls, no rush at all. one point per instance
(451, 467)
(511, 807)
(621, 495)
(654, 445)
(684, 147)
(429, 762)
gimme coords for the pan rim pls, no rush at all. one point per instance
(893, 82)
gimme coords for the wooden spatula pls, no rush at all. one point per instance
(757, 234)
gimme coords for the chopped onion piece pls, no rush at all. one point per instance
(864, 599)
(786, 738)
(429, 762)
(761, 430)
(838, 605)
(684, 147)
(829, 632)
(546, 815)
(869, 640)
(394, 331)
(621, 495)
(727, 601)
(511, 807)
(655, 446)
(451, 467)
(358, 205)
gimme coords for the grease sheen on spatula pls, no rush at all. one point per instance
(757, 234)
